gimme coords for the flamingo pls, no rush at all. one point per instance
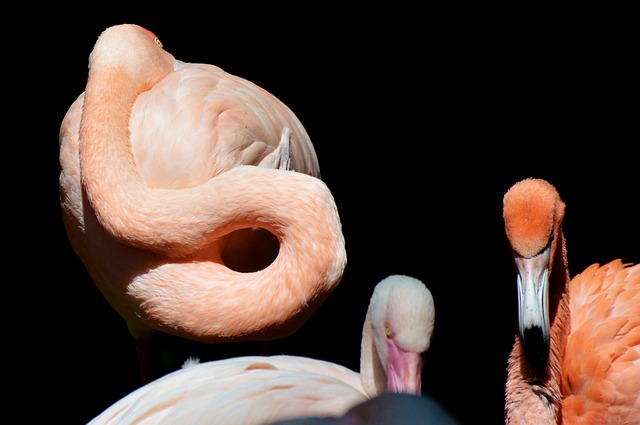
(193, 198)
(576, 357)
(252, 390)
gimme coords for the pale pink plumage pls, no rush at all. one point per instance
(590, 373)
(193, 198)
(256, 390)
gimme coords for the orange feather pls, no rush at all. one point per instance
(591, 372)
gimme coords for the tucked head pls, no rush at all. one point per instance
(135, 51)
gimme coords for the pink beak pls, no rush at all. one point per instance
(404, 370)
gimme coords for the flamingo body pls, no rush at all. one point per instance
(193, 197)
(576, 359)
(246, 390)
(254, 390)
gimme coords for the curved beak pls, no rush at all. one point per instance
(533, 309)
(404, 370)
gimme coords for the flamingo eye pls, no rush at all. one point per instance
(387, 331)
(158, 42)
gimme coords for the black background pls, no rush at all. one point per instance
(421, 121)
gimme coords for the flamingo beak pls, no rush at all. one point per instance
(404, 370)
(533, 309)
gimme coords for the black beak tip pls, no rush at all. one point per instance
(536, 348)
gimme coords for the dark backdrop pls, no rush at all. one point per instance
(421, 122)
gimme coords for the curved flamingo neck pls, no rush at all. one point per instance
(203, 314)
(177, 222)
(167, 221)
(372, 371)
(186, 223)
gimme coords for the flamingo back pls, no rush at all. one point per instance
(601, 367)
(250, 390)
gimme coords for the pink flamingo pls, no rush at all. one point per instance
(257, 390)
(194, 199)
(576, 358)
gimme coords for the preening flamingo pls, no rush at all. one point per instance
(576, 357)
(194, 199)
(254, 390)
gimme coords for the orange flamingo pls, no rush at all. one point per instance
(256, 390)
(576, 357)
(194, 199)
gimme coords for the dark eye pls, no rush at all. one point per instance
(158, 42)
(387, 331)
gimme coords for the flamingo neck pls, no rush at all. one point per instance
(372, 370)
(298, 209)
(209, 290)
(178, 222)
